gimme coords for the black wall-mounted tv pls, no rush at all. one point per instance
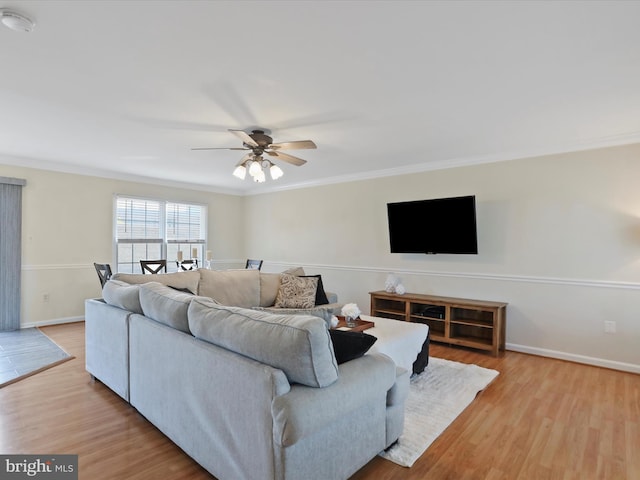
(441, 225)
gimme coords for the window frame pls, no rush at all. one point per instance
(166, 245)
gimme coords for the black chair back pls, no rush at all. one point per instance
(188, 264)
(253, 264)
(104, 272)
(153, 266)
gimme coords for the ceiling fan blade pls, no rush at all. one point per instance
(297, 145)
(244, 159)
(220, 148)
(244, 136)
(285, 157)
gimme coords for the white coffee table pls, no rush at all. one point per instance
(402, 341)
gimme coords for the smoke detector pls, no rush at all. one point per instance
(15, 20)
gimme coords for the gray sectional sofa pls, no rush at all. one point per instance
(248, 394)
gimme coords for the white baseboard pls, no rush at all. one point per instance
(571, 357)
(53, 321)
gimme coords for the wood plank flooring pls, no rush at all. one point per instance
(540, 419)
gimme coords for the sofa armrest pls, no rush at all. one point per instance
(334, 307)
(396, 399)
(107, 345)
(304, 410)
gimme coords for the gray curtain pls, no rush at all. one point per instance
(10, 252)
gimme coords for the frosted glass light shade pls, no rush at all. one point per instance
(257, 170)
(276, 172)
(260, 177)
(254, 168)
(240, 172)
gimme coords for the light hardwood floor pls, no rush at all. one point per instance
(540, 419)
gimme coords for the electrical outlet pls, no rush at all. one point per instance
(609, 326)
(45, 297)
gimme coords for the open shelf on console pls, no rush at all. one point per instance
(457, 321)
(436, 326)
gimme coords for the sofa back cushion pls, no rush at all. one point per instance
(180, 280)
(269, 286)
(122, 295)
(238, 288)
(165, 305)
(299, 345)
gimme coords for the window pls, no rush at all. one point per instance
(154, 229)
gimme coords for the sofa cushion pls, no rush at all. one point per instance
(322, 312)
(238, 288)
(349, 345)
(188, 280)
(165, 305)
(122, 295)
(269, 286)
(296, 292)
(299, 345)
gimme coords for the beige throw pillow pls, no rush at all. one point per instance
(297, 271)
(296, 292)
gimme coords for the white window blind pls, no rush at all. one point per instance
(148, 229)
(186, 231)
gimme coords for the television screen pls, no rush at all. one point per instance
(442, 225)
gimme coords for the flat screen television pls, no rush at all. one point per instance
(441, 225)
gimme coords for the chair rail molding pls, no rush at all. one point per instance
(576, 282)
(63, 266)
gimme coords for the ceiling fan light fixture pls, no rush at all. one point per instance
(240, 172)
(16, 21)
(254, 168)
(276, 171)
(260, 177)
(258, 143)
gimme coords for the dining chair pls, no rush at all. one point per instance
(104, 272)
(153, 266)
(253, 264)
(188, 264)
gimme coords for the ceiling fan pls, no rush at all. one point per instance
(260, 144)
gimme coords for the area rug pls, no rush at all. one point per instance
(26, 352)
(436, 397)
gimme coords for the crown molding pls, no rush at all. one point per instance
(62, 167)
(442, 164)
(603, 142)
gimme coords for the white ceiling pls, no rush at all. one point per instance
(125, 88)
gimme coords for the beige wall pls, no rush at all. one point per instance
(68, 224)
(559, 240)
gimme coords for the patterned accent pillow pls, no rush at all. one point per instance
(296, 292)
